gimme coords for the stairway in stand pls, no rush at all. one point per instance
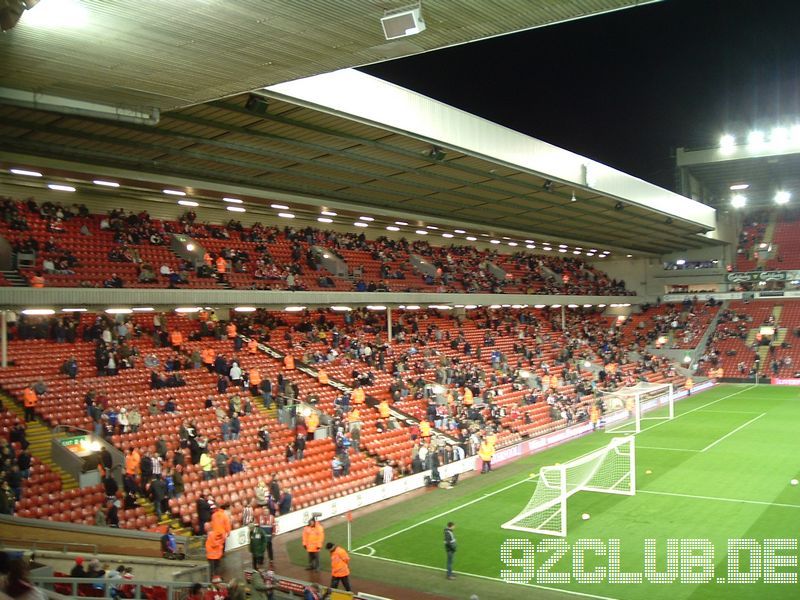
(14, 278)
(40, 438)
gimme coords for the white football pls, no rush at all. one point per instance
(585, 516)
(794, 482)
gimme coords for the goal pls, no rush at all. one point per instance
(626, 408)
(611, 470)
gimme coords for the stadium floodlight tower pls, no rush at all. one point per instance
(625, 409)
(610, 469)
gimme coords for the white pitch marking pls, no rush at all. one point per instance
(486, 577)
(737, 500)
(638, 447)
(740, 427)
(702, 406)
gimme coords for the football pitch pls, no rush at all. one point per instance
(713, 505)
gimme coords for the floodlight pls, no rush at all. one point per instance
(755, 138)
(727, 143)
(738, 201)
(782, 197)
(779, 136)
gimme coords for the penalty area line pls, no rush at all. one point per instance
(447, 512)
(487, 578)
(718, 499)
(730, 433)
(638, 447)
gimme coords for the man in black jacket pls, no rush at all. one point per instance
(203, 514)
(450, 547)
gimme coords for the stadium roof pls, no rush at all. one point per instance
(709, 173)
(166, 54)
(372, 148)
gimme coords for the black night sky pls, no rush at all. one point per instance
(627, 88)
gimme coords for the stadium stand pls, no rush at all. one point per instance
(68, 247)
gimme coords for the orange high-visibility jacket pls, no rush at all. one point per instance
(469, 399)
(176, 337)
(29, 397)
(322, 376)
(288, 361)
(312, 422)
(221, 522)
(358, 396)
(215, 545)
(313, 537)
(340, 562)
(383, 409)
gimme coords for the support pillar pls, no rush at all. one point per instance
(3, 339)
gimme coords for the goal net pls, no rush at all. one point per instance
(610, 470)
(627, 408)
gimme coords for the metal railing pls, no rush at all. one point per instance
(48, 545)
(102, 588)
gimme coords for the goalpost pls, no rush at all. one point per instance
(611, 470)
(625, 409)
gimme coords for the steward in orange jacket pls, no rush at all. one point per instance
(313, 538)
(288, 362)
(29, 400)
(340, 566)
(221, 522)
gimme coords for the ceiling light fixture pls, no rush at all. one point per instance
(324, 220)
(239, 209)
(400, 223)
(59, 187)
(421, 232)
(360, 224)
(233, 200)
(286, 215)
(470, 238)
(459, 231)
(740, 186)
(104, 183)
(174, 192)
(279, 206)
(38, 311)
(370, 219)
(188, 203)
(25, 172)
(329, 213)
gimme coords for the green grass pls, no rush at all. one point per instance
(737, 487)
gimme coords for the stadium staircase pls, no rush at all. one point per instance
(40, 438)
(769, 234)
(14, 278)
